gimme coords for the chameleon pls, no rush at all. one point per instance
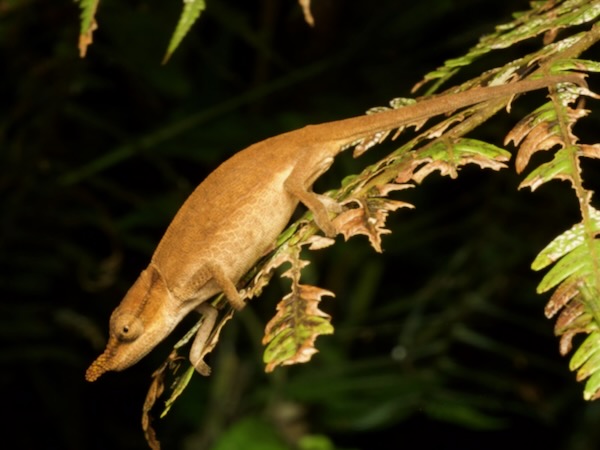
(235, 215)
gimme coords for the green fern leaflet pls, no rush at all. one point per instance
(191, 12)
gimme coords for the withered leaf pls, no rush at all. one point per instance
(368, 219)
(170, 366)
(290, 335)
(590, 151)
(157, 387)
(561, 296)
(542, 131)
(565, 343)
(568, 316)
(308, 17)
(540, 138)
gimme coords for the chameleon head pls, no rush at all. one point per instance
(125, 329)
(138, 324)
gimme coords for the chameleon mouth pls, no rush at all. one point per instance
(115, 357)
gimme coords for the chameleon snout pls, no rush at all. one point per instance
(95, 370)
(117, 356)
(104, 363)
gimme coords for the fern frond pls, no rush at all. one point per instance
(290, 335)
(368, 218)
(576, 277)
(547, 127)
(191, 12)
(448, 158)
(575, 254)
(88, 24)
(543, 18)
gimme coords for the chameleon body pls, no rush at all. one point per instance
(235, 215)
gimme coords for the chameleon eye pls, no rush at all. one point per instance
(127, 327)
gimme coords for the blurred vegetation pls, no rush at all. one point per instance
(440, 342)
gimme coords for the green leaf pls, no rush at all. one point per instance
(590, 366)
(178, 388)
(592, 387)
(191, 12)
(565, 242)
(447, 157)
(88, 10)
(561, 167)
(585, 351)
(585, 65)
(250, 433)
(464, 151)
(315, 442)
(476, 147)
(579, 261)
(88, 24)
(528, 25)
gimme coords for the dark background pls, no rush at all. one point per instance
(440, 341)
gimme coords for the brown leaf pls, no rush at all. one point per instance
(405, 167)
(590, 151)
(157, 387)
(368, 219)
(444, 168)
(571, 321)
(172, 365)
(368, 142)
(384, 190)
(318, 242)
(450, 168)
(568, 315)
(308, 17)
(565, 344)
(286, 253)
(439, 129)
(539, 138)
(528, 123)
(86, 39)
(541, 131)
(561, 296)
(264, 275)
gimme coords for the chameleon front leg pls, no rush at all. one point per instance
(211, 271)
(197, 351)
(299, 185)
(224, 282)
(202, 342)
